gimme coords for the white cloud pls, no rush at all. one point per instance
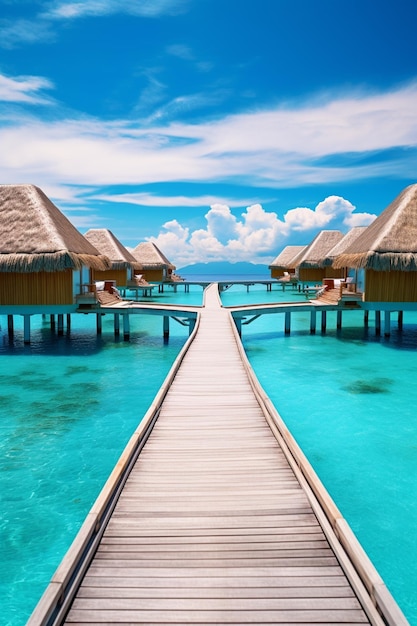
(42, 28)
(276, 148)
(258, 236)
(16, 32)
(147, 199)
(359, 219)
(325, 212)
(221, 223)
(24, 89)
(181, 51)
(60, 9)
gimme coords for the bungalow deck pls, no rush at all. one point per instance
(214, 516)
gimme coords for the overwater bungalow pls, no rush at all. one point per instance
(283, 264)
(124, 266)
(44, 259)
(155, 265)
(384, 256)
(45, 262)
(347, 279)
(309, 264)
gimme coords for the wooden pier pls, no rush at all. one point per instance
(214, 516)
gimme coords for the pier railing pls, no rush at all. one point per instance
(60, 592)
(358, 568)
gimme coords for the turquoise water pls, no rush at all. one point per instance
(349, 398)
(68, 406)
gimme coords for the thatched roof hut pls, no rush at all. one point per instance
(284, 261)
(309, 263)
(155, 265)
(343, 244)
(120, 257)
(36, 237)
(314, 253)
(390, 242)
(151, 257)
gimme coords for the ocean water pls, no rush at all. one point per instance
(349, 398)
(69, 404)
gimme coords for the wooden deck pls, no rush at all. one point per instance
(213, 525)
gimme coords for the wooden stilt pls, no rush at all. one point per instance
(366, 319)
(323, 321)
(126, 326)
(60, 324)
(117, 324)
(387, 325)
(377, 322)
(99, 324)
(287, 322)
(166, 326)
(52, 320)
(26, 329)
(68, 321)
(313, 322)
(10, 325)
(400, 319)
(339, 320)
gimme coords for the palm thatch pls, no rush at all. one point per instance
(343, 244)
(286, 257)
(390, 242)
(107, 244)
(36, 237)
(314, 254)
(150, 257)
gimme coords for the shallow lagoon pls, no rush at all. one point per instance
(69, 404)
(349, 398)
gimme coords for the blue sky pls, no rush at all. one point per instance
(221, 129)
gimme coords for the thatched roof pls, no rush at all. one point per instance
(343, 244)
(314, 254)
(390, 242)
(36, 237)
(286, 257)
(150, 256)
(106, 243)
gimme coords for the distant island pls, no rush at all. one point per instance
(223, 270)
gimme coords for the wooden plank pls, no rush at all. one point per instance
(212, 525)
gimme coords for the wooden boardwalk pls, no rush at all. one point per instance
(212, 525)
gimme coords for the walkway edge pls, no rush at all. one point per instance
(365, 579)
(64, 582)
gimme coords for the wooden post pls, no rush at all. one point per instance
(26, 329)
(52, 319)
(126, 326)
(68, 321)
(10, 325)
(166, 326)
(117, 324)
(366, 319)
(60, 324)
(99, 325)
(387, 326)
(339, 320)
(287, 322)
(323, 321)
(400, 320)
(377, 322)
(313, 321)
